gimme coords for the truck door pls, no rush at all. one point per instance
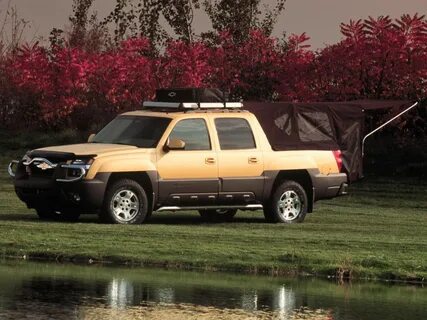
(240, 161)
(189, 177)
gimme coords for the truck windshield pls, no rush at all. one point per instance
(143, 132)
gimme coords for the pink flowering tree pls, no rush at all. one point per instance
(71, 86)
(250, 70)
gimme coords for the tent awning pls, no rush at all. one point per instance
(322, 126)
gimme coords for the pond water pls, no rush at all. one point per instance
(54, 291)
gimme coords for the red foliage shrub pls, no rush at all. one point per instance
(184, 65)
(297, 68)
(67, 86)
(251, 70)
(125, 76)
(377, 58)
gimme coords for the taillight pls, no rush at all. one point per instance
(338, 158)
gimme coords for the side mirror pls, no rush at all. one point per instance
(174, 144)
(90, 139)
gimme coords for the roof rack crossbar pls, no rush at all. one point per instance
(191, 105)
(155, 104)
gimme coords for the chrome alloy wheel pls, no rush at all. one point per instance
(125, 205)
(289, 205)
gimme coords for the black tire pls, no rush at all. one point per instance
(288, 203)
(46, 214)
(268, 213)
(125, 202)
(218, 215)
(49, 214)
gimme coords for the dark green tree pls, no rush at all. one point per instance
(86, 31)
(123, 17)
(143, 17)
(149, 26)
(180, 14)
(79, 22)
(240, 16)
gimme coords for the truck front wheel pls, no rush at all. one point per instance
(125, 203)
(288, 203)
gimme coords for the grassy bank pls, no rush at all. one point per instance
(379, 231)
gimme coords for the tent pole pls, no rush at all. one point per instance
(383, 125)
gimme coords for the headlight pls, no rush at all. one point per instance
(78, 168)
(83, 163)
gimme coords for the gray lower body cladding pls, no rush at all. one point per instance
(318, 186)
(328, 186)
(224, 191)
(89, 194)
(84, 194)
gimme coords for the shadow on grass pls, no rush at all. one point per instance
(18, 217)
(188, 219)
(156, 219)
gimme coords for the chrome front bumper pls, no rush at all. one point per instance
(43, 161)
(10, 168)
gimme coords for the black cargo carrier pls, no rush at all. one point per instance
(196, 95)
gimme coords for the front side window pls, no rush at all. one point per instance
(193, 132)
(234, 134)
(140, 131)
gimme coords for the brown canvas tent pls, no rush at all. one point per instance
(306, 126)
(322, 126)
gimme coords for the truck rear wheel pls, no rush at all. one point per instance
(288, 203)
(125, 203)
(218, 214)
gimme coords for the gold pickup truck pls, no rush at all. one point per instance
(212, 157)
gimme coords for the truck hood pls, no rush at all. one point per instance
(87, 148)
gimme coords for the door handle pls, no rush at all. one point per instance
(253, 160)
(210, 160)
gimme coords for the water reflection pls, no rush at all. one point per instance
(38, 291)
(120, 293)
(285, 302)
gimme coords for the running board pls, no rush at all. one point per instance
(244, 207)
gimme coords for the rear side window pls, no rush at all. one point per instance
(234, 134)
(314, 126)
(193, 132)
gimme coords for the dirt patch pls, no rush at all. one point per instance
(188, 311)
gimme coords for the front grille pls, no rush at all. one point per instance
(35, 169)
(35, 172)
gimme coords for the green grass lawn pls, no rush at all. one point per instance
(378, 231)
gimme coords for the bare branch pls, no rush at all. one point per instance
(12, 29)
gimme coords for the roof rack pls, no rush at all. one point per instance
(186, 99)
(184, 106)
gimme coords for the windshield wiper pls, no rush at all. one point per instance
(122, 143)
(108, 142)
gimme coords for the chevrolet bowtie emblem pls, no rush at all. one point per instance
(44, 166)
(172, 94)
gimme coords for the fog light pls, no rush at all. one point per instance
(76, 197)
(74, 173)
